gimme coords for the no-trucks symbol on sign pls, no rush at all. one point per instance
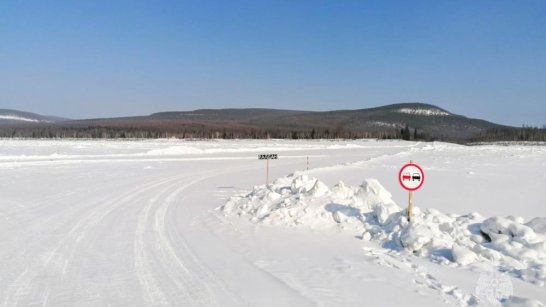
(411, 177)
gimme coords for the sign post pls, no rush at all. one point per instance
(267, 157)
(410, 205)
(411, 178)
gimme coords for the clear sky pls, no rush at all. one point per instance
(82, 59)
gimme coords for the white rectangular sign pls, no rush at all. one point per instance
(267, 157)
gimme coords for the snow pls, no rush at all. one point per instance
(24, 119)
(136, 222)
(515, 301)
(538, 224)
(509, 244)
(384, 124)
(422, 111)
(463, 255)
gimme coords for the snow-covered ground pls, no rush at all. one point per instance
(191, 223)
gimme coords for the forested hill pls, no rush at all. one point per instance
(396, 121)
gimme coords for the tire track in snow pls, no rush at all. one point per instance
(154, 293)
(177, 261)
(61, 254)
(194, 283)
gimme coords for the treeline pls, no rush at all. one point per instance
(523, 134)
(202, 132)
(194, 131)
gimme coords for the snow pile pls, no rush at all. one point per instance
(368, 210)
(300, 200)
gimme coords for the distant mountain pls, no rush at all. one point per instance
(429, 119)
(426, 118)
(14, 117)
(422, 121)
(253, 114)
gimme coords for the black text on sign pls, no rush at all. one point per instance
(268, 157)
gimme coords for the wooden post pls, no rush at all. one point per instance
(308, 164)
(266, 157)
(410, 205)
(410, 202)
(266, 171)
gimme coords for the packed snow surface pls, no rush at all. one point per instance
(136, 223)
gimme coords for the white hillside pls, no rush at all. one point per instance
(22, 119)
(423, 111)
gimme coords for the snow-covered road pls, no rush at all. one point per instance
(96, 223)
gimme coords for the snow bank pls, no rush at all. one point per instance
(368, 210)
(301, 200)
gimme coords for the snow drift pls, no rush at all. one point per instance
(506, 243)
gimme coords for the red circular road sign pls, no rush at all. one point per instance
(411, 177)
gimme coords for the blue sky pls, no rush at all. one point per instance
(82, 59)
